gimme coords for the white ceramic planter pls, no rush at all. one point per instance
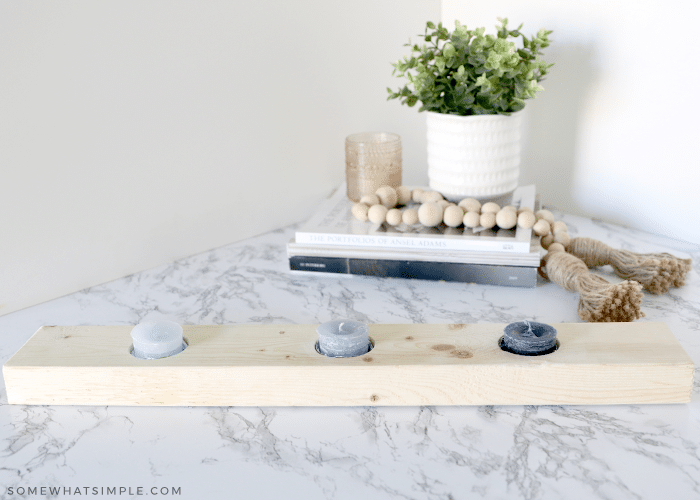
(473, 156)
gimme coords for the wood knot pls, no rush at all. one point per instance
(281, 332)
(374, 398)
(409, 338)
(443, 347)
(461, 354)
(367, 359)
(456, 326)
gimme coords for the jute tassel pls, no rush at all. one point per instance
(656, 272)
(599, 299)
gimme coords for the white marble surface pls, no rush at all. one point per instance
(545, 452)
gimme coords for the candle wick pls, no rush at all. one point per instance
(529, 332)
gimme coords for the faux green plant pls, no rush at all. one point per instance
(466, 72)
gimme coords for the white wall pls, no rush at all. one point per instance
(133, 133)
(615, 133)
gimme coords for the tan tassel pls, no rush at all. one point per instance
(599, 299)
(656, 272)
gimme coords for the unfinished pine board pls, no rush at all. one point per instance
(277, 365)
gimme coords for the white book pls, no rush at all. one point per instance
(334, 224)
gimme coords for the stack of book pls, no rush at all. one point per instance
(333, 241)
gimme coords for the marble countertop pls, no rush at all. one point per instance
(528, 452)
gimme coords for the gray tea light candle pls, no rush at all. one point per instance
(157, 339)
(529, 338)
(343, 338)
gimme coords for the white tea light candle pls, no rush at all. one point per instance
(157, 339)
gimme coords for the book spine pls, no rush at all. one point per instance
(518, 276)
(417, 243)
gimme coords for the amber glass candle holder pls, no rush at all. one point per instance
(372, 159)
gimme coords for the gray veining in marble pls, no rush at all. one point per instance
(514, 452)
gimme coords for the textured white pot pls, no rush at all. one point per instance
(473, 156)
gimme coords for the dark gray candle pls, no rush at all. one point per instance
(529, 338)
(343, 338)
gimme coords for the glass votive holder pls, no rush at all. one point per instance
(372, 159)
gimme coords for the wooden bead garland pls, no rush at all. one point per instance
(567, 260)
(434, 209)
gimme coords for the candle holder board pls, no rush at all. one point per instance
(412, 364)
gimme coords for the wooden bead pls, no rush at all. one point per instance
(377, 214)
(394, 217)
(417, 195)
(490, 207)
(403, 195)
(487, 220)
(541, 227)
(387, 196)
(444, 204)
(370, 199)
(510, 207)
(430, 214)
(506, 218)
(556, 247)
(470, 205)
(562, 237)
(453, 216)
(526, 220)
(525, 209)
(546, 215)
(546, 241)
(431, 197)
(410, 216)
(359, 211)
(559, 226)
(471, 219)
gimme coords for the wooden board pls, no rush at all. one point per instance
(277, 365)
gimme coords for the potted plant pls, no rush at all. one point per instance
(473, 86)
